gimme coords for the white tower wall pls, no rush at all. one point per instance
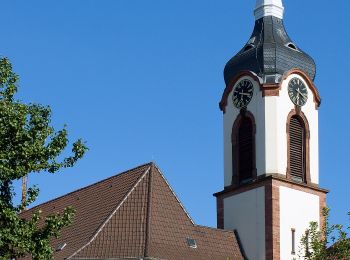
(297, 210)
(241, 213)
(271, 114)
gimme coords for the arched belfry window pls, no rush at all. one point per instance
(243, 149)
(298, 148)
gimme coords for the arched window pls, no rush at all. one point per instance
(243, 149)
(297, 149)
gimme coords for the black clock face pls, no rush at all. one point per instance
(243, 93)
(297, 92)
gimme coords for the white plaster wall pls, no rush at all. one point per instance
(256, 107)
(245, 212)
(270, 115)
(273, 134)
(297, 210)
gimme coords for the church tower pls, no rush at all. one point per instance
(270, 110)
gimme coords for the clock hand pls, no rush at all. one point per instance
(301, 94)
(240, 93)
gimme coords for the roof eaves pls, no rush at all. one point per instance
(109, 218)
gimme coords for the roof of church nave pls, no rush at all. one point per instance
(135, 215)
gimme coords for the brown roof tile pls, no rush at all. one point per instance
(133, 215)
(171, 226)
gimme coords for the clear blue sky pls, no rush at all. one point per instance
(140, 81)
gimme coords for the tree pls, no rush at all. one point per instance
(28, 144)
(315, 241)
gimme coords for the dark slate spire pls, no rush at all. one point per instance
(269, 52)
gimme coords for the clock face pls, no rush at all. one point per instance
(243, 93)
(297, 92)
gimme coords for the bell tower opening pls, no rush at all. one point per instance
(243, 149)
(297, 149)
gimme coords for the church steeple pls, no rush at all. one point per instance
(268, 8)
(269, 52)
(270, 122)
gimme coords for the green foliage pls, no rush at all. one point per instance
(315, 241)
(28, 144)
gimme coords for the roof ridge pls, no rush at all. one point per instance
(90, 185)
(149, 211)
(113, 212)
(172, 191)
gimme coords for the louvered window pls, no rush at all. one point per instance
(297, 149)
(245, 150)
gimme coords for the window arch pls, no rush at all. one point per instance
(243, 149)
(298, 148)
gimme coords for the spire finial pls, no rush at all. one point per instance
(268, 8)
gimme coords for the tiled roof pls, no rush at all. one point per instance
(135, 215)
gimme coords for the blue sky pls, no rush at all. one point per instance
(140, 81)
